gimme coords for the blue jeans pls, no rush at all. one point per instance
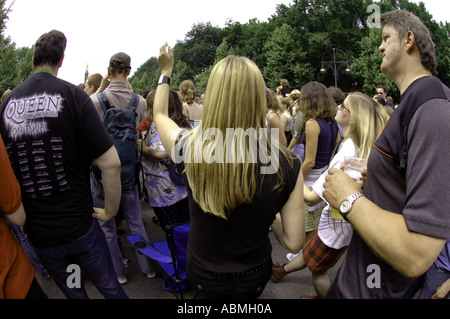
(433, 279)
(29, 250)
(130, 205)
(90, 253)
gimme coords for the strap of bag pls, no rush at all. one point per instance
(142, 187)
(104, 101)
(134, 102)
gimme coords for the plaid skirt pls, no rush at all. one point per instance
(318, 256)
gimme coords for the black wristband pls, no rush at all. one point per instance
(164, 80)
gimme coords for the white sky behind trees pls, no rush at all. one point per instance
(97, 29)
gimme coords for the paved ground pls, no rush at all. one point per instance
(140, 287)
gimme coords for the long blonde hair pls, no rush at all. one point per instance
(369, 119)
(235, 98)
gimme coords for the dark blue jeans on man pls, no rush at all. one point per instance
(90, 252)
(130, 205)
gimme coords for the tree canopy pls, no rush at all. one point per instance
(15, 63)
(295, 43)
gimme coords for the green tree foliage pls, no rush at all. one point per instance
(24, 57)
(146, 76)
(285, 60)
(295, 40)
(249, 39)
(198, 50)
(366, 67)
(222, 52)
(15, 64)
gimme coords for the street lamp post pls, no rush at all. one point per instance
(335, 64)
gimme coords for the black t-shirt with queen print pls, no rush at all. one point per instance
(52, 133)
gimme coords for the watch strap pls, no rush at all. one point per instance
(164, 80)
(352, 198)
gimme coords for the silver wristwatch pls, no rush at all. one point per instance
(347, 204)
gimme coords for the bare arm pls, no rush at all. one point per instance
(18, 218)
(312, 131)
(311, 197)
(167, 128)
(147, 152)
(289, 226)
(284, 122)
(294, 142)
(386, 233)
(109, 165)
(104, 84)
(275, 123)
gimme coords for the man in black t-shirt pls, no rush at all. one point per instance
(401, 222)
(47, 125)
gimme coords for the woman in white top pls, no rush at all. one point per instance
(362, 120)
(191, 109)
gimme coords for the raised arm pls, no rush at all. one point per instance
(167, 128)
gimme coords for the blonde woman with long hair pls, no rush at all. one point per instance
(234, 199)
(362, 121)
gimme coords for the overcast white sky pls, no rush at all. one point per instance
(97, 29)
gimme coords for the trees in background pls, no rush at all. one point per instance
(15, 64)
(291, 44)
(296, 39)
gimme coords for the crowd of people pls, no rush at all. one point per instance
(65, 192)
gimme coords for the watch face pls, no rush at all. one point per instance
(345, 206)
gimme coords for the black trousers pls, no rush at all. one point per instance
(246, 285)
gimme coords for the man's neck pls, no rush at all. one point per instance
(413, 72)
(118, 78)
(46, 69)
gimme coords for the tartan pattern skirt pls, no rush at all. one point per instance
(318, 256)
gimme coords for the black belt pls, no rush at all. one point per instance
(243, 273)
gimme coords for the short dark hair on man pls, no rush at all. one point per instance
(49, 48)
(382, 87)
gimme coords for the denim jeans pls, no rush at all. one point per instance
(90, 253)
(29, 250)
(433, 279)
(130, 205)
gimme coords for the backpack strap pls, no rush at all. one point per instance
(134, 102)
(104, 101)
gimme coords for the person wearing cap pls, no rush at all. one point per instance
(119, 94)
(50, 147)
